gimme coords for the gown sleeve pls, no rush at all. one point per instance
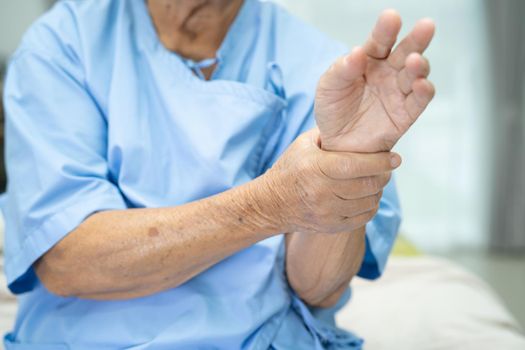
(56, 146)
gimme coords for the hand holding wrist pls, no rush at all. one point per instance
(311, 190)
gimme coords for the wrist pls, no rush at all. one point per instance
(262, 206)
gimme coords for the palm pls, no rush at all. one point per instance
(374, 112)
(367, 101)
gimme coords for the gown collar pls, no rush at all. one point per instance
(237, 44)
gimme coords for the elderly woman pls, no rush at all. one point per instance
(182, 175)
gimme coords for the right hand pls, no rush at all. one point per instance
(367, 100)
(327, 192)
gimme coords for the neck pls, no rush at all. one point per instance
(194, 29)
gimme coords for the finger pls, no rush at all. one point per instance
(344, 165)
(343, 72)
(416, 66)
(416, 41)
(422, 93)
(384, 35)
(360, 220)
(360, 187)
(355, 207)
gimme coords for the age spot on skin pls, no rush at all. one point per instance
(153, 232)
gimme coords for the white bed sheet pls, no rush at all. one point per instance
(429, 303)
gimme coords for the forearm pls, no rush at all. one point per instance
(137, 252)
(319, 267)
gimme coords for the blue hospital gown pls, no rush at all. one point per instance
(101, 116)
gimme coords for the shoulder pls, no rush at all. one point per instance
(77, 40)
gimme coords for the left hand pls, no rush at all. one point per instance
(369, 98)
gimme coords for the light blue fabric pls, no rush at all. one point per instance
(101, 116)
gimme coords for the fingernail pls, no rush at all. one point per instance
(395, 160)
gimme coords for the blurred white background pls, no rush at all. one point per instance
(15, 17)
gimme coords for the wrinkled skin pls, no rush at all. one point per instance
(327, 192)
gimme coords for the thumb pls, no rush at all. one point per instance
(343, 72)
(346, 165)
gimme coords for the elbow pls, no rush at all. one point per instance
(326, 303)
(321, 298)
(319, 295)
(65, 271)
(56, 287)
(54, 272)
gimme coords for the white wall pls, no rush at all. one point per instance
(443, 179)
(15, 17)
